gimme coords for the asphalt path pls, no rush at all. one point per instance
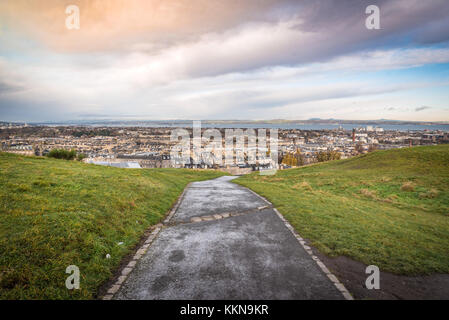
(248, 254)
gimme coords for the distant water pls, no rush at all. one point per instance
(326, 126)
(301, 126)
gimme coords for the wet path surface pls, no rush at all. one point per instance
(248, 254)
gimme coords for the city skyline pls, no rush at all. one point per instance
(259, 60)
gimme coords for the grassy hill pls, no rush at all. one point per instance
(387, 208)
(56, 213)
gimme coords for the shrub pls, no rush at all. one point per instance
(324, 156)
(62, 154)
(81, 156)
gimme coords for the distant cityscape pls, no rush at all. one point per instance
(149, 147)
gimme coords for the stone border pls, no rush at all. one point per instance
(259, 196)
(320, 264)
(308, 249)
(130, 266)
(175, 207)
(142, 250)
(225, 215)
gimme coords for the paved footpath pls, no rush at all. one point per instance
(244, 252)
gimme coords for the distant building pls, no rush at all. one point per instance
(126, 165)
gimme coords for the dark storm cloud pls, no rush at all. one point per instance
(340, 25)
(422, 108)
(7, 87)
(128, 51)
(323, 29)
(286, 32)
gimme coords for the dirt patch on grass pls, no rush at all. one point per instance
(368, 193)
(431, 194)
(408, 187)
(303, 185)
(392, 287)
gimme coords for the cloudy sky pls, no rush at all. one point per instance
(224, 59)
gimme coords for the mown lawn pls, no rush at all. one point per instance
(387, 208)
(56, 213)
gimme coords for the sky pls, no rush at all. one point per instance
(216, 59)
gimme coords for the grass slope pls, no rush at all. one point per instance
(387, 208)
(56, 213)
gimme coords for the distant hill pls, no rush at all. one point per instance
(387, 208)
(187, 122)
(56, 213)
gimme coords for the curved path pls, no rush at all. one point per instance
(226, 242)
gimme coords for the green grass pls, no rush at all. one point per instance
(56, 213)
(387, 208)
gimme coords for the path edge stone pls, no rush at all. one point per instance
(124, 272)
(340, 287)
(115, 287)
